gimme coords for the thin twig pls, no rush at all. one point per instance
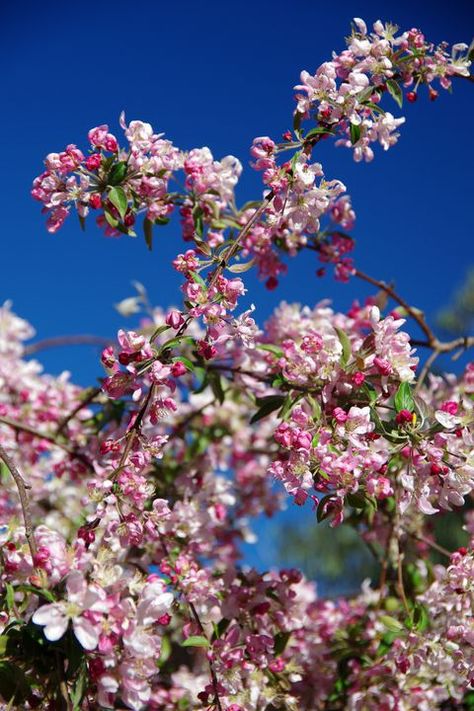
(425, 370)
(79, 340)
(414, 313)
(431, 340)
(432, 544)
(238, 240)
(22, 487)
(80, 406)
(20, 427)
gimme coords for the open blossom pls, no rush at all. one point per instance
(141, 492)
(81, 598)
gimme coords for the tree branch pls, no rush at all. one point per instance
(20, 427)
(431, 340)
(22, 487)
(78, 340)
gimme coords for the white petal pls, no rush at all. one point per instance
(56, 629)
(85, 633)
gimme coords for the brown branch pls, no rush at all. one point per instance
(80, 406)
(243, 233)
(428, 542)
(431, 340)
(20, 427)
(22, 487)
(414, 313)
(78, 340)
(425, 370)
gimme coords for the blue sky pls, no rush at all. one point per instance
(215, 74)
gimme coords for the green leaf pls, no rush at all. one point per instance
(119, 200)
(355, 133)
(297, 118)
(321, 514)
(404, 399)
(42, 592)
(117, 174)
(288, 404)
(198, 279)
(216, 386)
(173, 342)
(80, 688)
(4, 638)
(148, 232)
(113, 222)
(10, 596)
(276, 350)
(242, 267)
(221, 627)
(185, 361)
(318, 131)
(267, 405)
(294, 159)
(391, 623)
(280, 641)
(395, 91)
(165, 651)
(196, 641)
(357, 501)
(421, 619)
(198, 221)
(346, 346)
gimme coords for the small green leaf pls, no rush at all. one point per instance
(148, 232)
(117, 174)
(80, 688)
(10, 596)
(173, 342)
(198, 279)
(119, 200)
(404, 399)
(113, 222)
(220, 628)
(287, 406)
(185, 361)
(297, 118)
(357, 501)
(395, 91)
(238, 268)
(391, 623)
(321, 513)
(346, 346)
(355, 133)
(276, 350)
(280, 641)
(267, 405)
(318, 131)
(215, 382)
(165, 651)
(196, 641)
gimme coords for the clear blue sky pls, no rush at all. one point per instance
(217, 74)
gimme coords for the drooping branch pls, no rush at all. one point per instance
(79, 340)
(431, 341)
(20, 427)
(22, 487)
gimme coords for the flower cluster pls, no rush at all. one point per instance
(123, 508)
